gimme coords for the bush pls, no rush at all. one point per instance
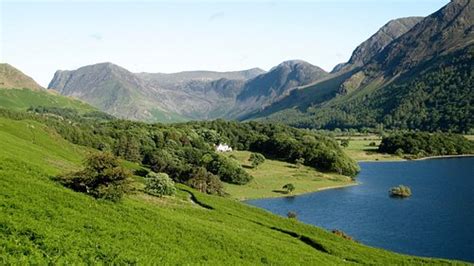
(400, 191)
(345, 143)
(159, 184)
(289, 188)
(256, 159)
(372, 144)
(205, 182)
(299, 162)
(342, 234)
(291, 215)
(103, 177)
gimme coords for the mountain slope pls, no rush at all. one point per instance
(421, 80)
(12, 78)
(270, 87)
(114, 90)
(385, 35)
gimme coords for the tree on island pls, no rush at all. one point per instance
(289, 188)
(400, 191)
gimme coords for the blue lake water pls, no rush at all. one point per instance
(436, 221)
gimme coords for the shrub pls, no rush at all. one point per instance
(342, 234)
(299, 162)
(400, 191)
(256, 159)
(103, 177)
(372, 144)
(292, 215)
(205, 182)
(159, 184)
(289, 188)
(345, 143)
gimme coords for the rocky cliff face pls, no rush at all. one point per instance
(372, 46)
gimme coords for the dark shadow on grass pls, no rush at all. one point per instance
(280, 191)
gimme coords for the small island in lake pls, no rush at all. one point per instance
(400, 191)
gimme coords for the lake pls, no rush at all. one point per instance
(436, 221)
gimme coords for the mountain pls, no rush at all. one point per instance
(421, 80)
(189, 95)
(270, 87)
(385, 35)
(12, 78)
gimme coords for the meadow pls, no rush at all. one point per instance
(272, 175)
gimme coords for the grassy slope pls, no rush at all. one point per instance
(22, 99)
(40, 221)
(272, 175)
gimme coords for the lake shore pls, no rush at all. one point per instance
(419, 159)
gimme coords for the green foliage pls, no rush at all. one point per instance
(400, 191)
(436, 95)
(289, 187)
(159, 184)
(292, 215)
(422, 144)
(228, 169)
(299, 162)
(103, 177)
(205, 182)
(284, 143)
(345, 143)
(256, 159)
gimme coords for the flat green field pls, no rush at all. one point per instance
(42, 222)
(272, 175)
(359, 149)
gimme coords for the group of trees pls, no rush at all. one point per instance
(186, 153)
(283, 143)
(422, 144)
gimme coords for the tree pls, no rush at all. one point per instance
(299, 162)
(205, 182)
(159, 184)
(292, 215)
(103, 177)
(289, 188)
(256, 159)
(345, 143)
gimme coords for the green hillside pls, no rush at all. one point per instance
(22, 99)
(42, 222)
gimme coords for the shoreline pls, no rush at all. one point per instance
(355, 183)
(417, 159)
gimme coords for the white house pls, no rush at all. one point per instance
(223, 148)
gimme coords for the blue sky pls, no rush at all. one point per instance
(159, 36)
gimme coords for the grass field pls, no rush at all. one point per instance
(272, 175)
(359, 149)
(42, 222)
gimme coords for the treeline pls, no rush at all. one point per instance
(422, 144)
(280, 142)
(186, 151)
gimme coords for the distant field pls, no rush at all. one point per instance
(360, 149)
(272, 175)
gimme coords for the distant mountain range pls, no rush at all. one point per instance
(414, 73)
(185, 95)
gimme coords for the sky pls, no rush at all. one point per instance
(170, 36)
